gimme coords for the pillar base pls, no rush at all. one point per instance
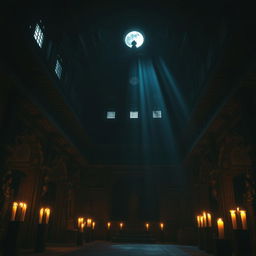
(242, 242)
(222, 247)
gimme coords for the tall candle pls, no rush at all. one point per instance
(109, 225)
(121, 225)
(147, 226)
(93, 225)
(198, 221)
(82, 227)
(204, 219)
(41, 214)
(23, 211)
(220, 225)
(233, 218)
(243, 219)
(209, 219)
(162, 226)
(14, 211)
(89, 223)
(80, 224)
(47, 215)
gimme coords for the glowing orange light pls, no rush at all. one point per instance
(233, 218)
(109, 225)
(209, 219)
(44, 215)
(18, 211)
(243, 219)
(14, 210)
(162, 226)
(89, 223)
(220, 225)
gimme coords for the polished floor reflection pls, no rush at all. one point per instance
(105, 249)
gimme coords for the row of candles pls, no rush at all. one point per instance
(91, 224)
(238, 219)
(19, 210)
(81, 223)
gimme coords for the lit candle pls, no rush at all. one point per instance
(198, 221)
(121, 225)
(204, 219)
(233, 218)
(209, 219)
(47, 214)
(109, 225)
(89, 223)
(14, 210)
(80, 224)
(147, 226)
(82, 227)
(243, 219)
(41, 214)
(93, 225)
(162, 226)
(23, 211)
(220, 225)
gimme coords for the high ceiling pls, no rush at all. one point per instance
(183, 53)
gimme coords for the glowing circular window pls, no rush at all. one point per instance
(134, 39)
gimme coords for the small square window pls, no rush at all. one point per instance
(134, 114)
(39, 35)
(157, 114)
(111, 115)
(58, 69)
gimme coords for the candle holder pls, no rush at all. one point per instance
(41, 237)
(222, 247)
(108, 232)
(209, 245)
(203, 239)
(11, 238)
(200, 238)
(241, 242)
(80, 238)
(44, 215)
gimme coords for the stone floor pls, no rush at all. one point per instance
(110, 249)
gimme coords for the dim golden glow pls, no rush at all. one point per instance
(18, 211)
(233, 218)
(243, 219)
(204, 219)
(44, 215)
(162, 226)
(109, 225)
(93, 225)
(80, 224)
(121, 225)
(147, 226)
(14, 210)
(209, 219)
(47, 213)
(220, 225)
(198, 221)
(89, 222)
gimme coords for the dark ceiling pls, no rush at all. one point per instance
(185, 44)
